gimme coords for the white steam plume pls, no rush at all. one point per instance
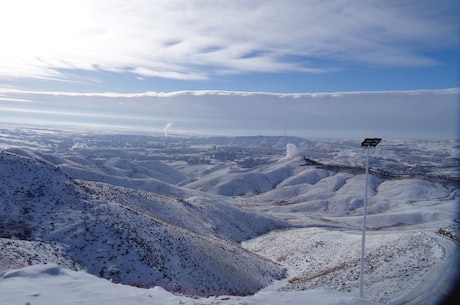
(291, 152)
(166, 129)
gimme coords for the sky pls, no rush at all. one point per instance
(277, 47)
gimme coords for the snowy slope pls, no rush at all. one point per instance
(50, 284)
(338, 194)
(116, 169)
(239, 182)
(18, 253)
(324, 258)
(288, 190)
(146, 175)
(140, 212)
(114, 240)
(212, 217)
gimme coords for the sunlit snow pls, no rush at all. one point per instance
(222, 220)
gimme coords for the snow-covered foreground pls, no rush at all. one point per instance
(393, 273)
(50, 284)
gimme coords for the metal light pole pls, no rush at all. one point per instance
(367, 143)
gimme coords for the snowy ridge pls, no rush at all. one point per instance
(227, 217)
(215, 218)
(237, 183)
(111, 241)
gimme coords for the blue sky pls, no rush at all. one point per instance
(281, 46)
(291, 46)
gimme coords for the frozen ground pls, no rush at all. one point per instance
(225, 216)
(50, 284)
(316, 257)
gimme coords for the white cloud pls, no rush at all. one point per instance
(390, 114)
(182, 39)
(430, 92)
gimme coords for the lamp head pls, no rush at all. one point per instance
(371, 142)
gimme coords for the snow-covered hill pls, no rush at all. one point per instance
(135, 241)
(231, 182)
(51, 284)
(221, 216)
(318, 257)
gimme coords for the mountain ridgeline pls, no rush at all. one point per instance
(189, 245)
(208, 216)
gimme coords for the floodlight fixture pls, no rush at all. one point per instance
(371, 142)
(368, 142)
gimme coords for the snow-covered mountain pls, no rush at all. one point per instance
(217, 215)
(131, 236)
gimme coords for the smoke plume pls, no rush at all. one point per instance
(166, 129)
(291, 152)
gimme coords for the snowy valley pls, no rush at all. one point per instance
(149, 219)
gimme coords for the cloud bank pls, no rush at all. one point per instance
(395, 114)
(194, 40)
